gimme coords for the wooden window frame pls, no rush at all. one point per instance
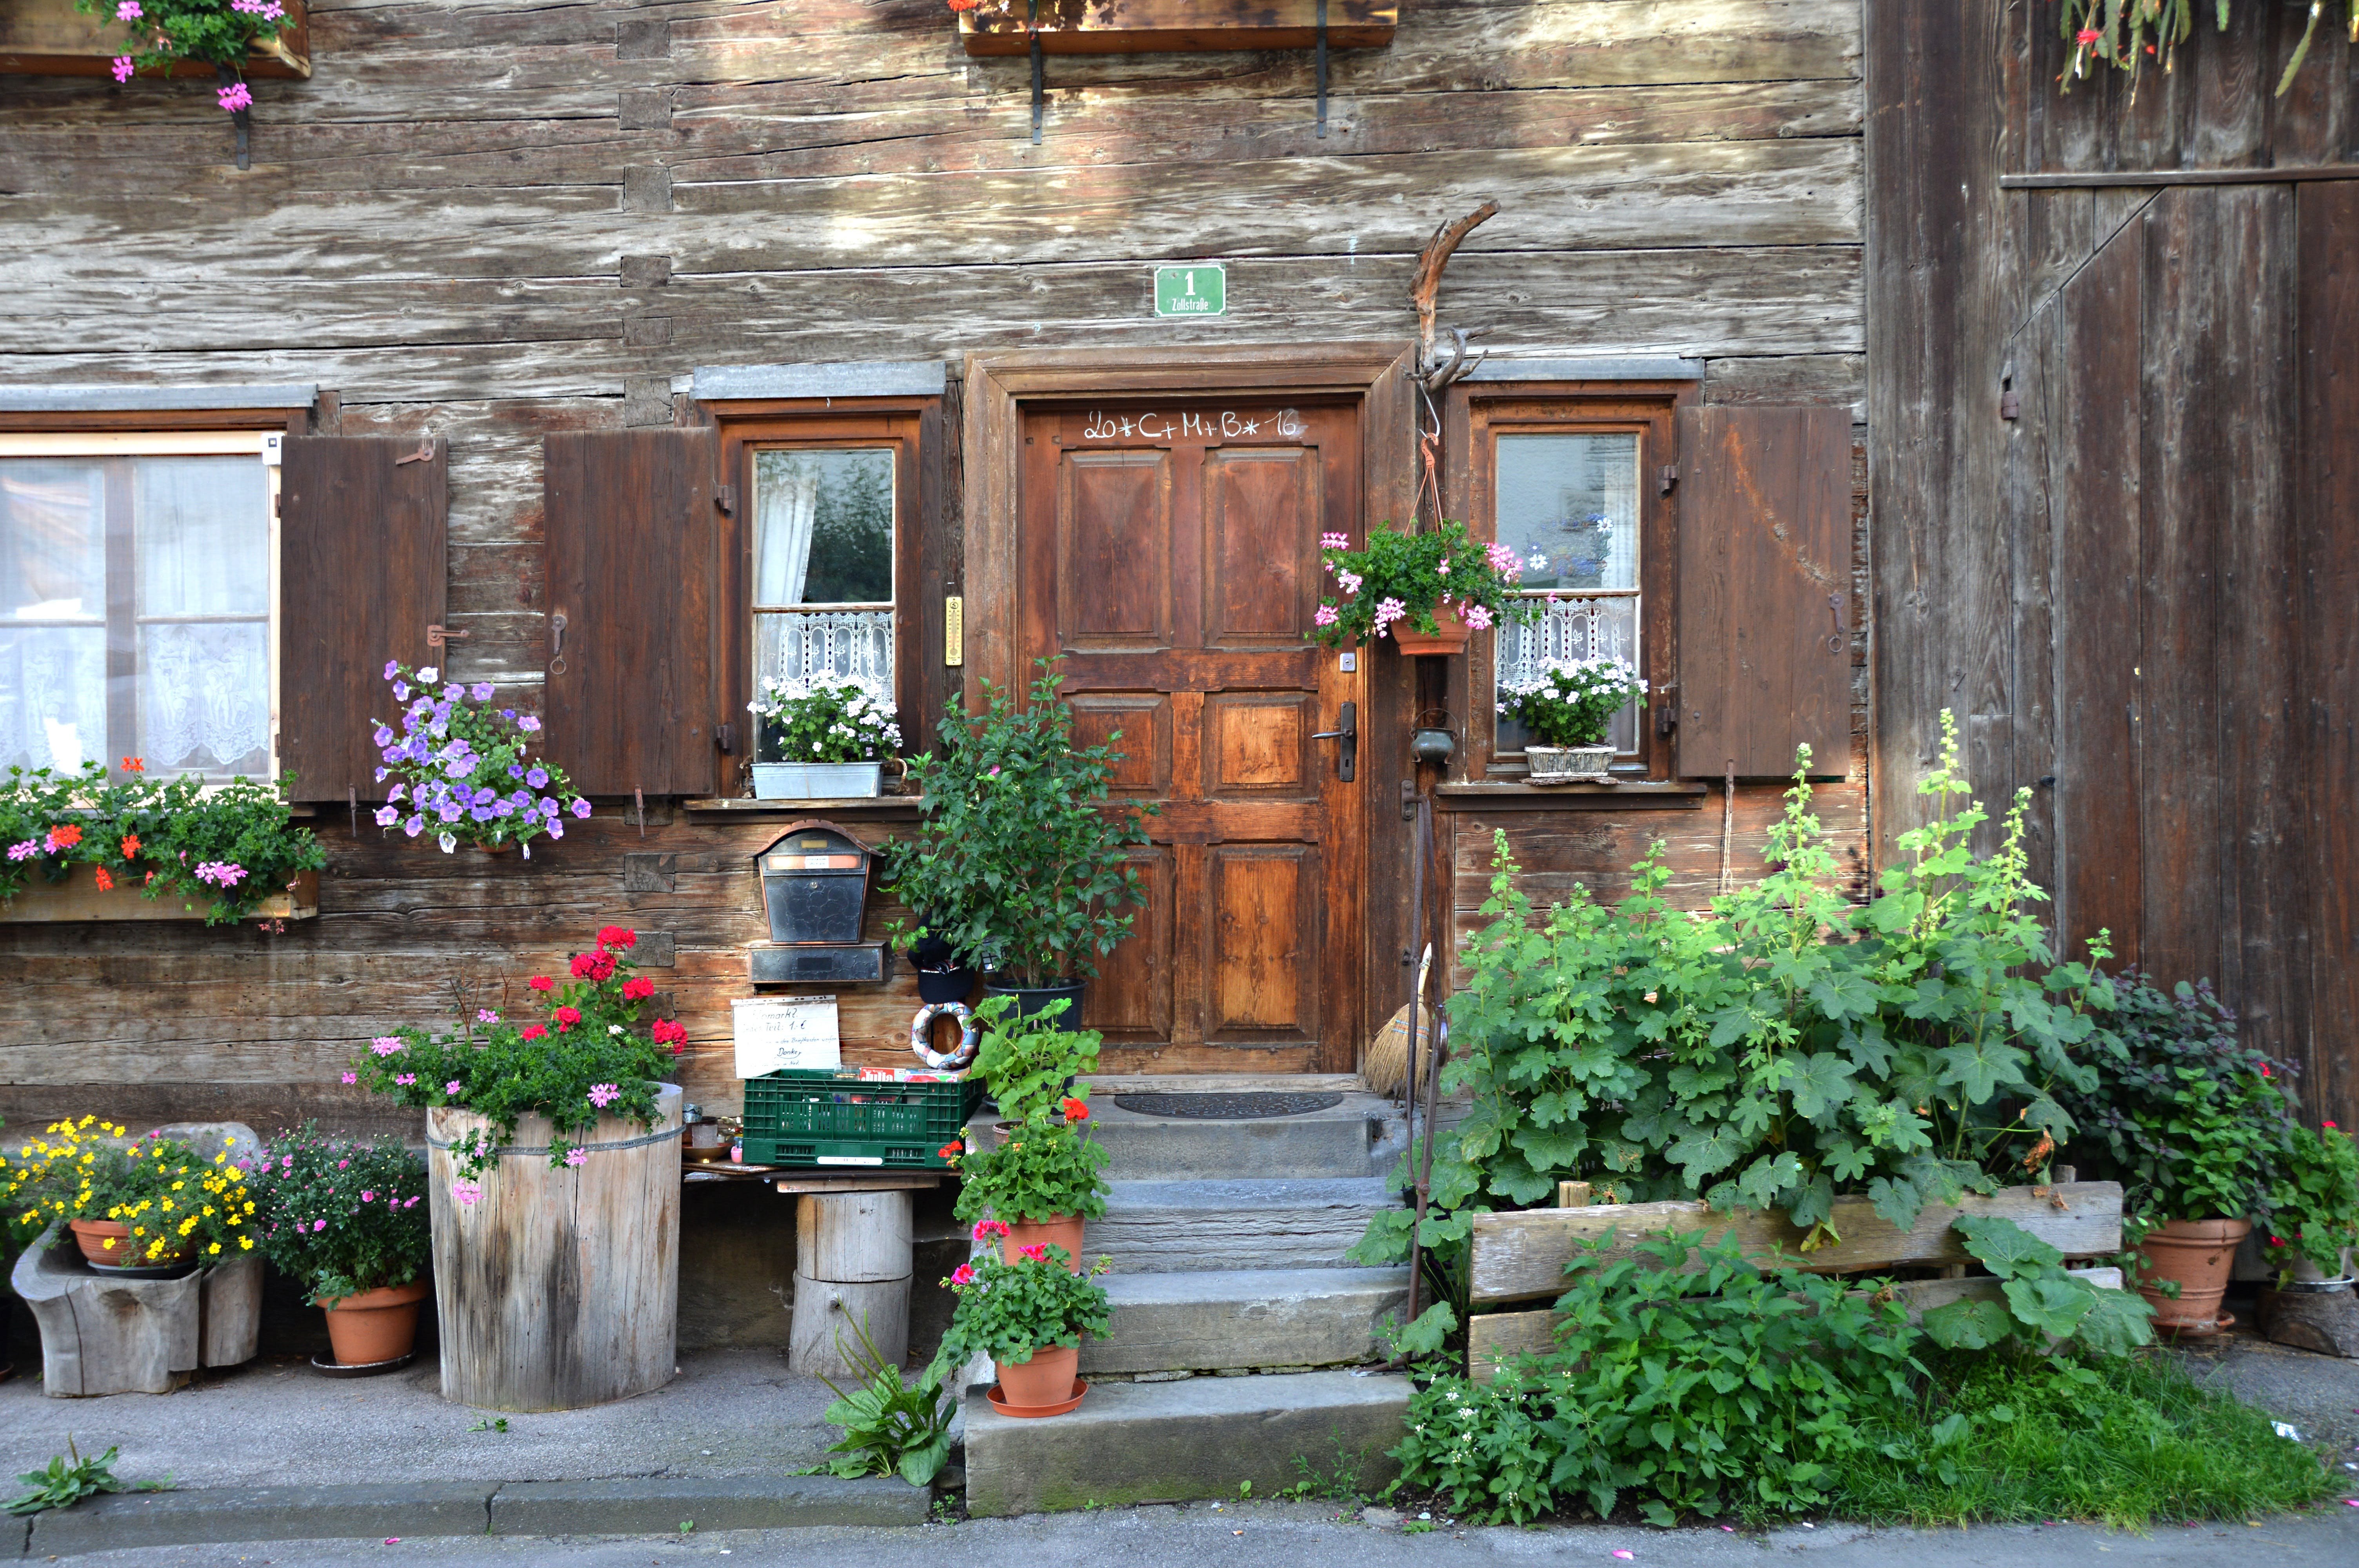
(1474, 416)
(179, 433)
(912, 427)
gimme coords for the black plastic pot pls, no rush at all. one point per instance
(945, 985)
(1031, 1000)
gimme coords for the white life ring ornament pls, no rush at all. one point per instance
(921, 1036)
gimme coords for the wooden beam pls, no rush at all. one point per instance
(2108, 178)
(1517, 1257)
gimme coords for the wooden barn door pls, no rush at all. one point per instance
(1170, 554)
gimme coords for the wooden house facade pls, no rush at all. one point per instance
(546, 306)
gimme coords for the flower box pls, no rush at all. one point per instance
(49, 37)
(1150, 26)
(817, 781)
(79, 898)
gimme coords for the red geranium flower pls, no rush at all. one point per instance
(638, 989)
(541, 983)
(617, 937)
(1038, 1252)
(566, 1017)
(534, 1032)
(592, 965)
(673, 1035)
(953, 1150)
(1076, 1110)
(105, 883)
(2087, 36)
(130, 845)
(65, 836)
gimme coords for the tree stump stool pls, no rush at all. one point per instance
(102, 1333)
(2324, 1321)
(854, 1256)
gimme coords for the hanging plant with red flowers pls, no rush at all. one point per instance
(2130, 35)
(585, 1055)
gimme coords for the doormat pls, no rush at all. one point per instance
(1226, 1107)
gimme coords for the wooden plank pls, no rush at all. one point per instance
(77, 899)
(1148, 27)
(1518, 1255)
(351, 510)
(1495, 1337)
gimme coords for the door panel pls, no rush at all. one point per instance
(1171, 557)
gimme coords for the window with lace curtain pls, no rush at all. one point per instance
(137, 609)
(1568, 504)
(823, 550)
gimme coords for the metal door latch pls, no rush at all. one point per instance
(1347, 731)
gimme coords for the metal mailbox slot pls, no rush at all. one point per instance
(815, 884)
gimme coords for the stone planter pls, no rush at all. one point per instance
(1568, 764)
(559, 1287)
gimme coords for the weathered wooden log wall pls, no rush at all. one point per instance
(2114, 400)
(492, 220)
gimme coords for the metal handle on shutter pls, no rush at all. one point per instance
(1835, 638)
(557, 644)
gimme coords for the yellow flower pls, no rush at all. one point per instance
(246, 1242)
(215, 1248)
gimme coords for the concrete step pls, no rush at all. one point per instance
(1200, 1437)
(1294, 1318)
(1362, 1135)
(1168, 1227)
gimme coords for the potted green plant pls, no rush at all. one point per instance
(1028, 1313)
(1567, 704)
(1043, 1179)
(1428, 592)
(348, 1221)
(2316, 1200)
(820, 740)
(462, 769)
(2192, 1122)
(146, 1204)
(1020, 858)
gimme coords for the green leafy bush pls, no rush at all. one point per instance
(1045, 1166)
(1684, 1378)
(1010, 1311)
(342, 1216)
(2315, 1202)
(1781, 1049)
(1020, 860)
(158, 33)
(1028, 1060)
(2184, 1115)
(2040, 1303)
(226, 847)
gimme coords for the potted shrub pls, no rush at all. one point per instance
(150, 1202)
(2316, 1200)
(1428, 593)
(1019, 858)
(463, 770)
(1028, 1313)
(2193, 1125)
(553, 1175)
(130, 848)
(1567, 706)
(1044, 1180)
(344, 1220)
(823, 740)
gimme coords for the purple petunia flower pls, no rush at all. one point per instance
(392, 668)
(387, 816)
(481, 691)
(448, 814)
(401, 691)
(537, 777)
(414, 826)
(528, 724)
(515, 770)
(556, 829)
(581, 806)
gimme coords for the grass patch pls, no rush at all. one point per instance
(2128, 1441)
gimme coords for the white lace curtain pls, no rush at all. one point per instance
(786, 505)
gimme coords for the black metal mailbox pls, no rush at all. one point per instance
(815, 884)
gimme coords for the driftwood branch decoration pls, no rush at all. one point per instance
(1426, 286)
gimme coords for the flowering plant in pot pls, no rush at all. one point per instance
(228, 846)
(1045, 1179)
(1028, 1315)
(464, 769)
(821, 740)
(1020, 854)
(344, 1220)
(2315, 1202)
(150, 1202)
(1427, 591)
(2194, 1125)
(584, 1056)
(1567, 706)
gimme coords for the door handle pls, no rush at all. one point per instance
(1347, 731)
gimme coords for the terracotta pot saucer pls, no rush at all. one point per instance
(1027, 1412)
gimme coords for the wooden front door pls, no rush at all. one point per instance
(1170, 552)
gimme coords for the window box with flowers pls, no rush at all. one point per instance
(85, 37)
(553, 1177)
(822, 739)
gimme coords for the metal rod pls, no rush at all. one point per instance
(1039, 91)
(1421, 853)
(1322, 69)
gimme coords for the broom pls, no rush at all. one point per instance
(1386, 1070)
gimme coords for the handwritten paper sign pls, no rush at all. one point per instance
(775, 1032)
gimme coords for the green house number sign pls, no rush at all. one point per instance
(1201, 291)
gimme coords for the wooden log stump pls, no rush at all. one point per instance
(2324, 1321)
(105, 1334)
(560, 1287)
(854, 1256)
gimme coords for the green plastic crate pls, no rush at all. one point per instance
(817, 1118)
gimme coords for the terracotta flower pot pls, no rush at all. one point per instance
(2198, 1253)
(376, 1326)
(1448, 637)
(109, 1245)
(1045, 1380)
(1064, 1231)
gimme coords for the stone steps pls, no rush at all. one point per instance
(1181, 1226)
(1360, 1137)
(1251, 1318)
(1171, 1442)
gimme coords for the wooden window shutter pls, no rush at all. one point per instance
(360, 578)
(1765, 591)
(633, 539)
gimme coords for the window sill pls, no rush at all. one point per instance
(1636, 795)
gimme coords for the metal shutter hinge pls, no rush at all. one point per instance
(1665, 478)
(437, 636)
(726, 498)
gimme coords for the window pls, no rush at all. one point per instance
(1567, 503)
(137, 601)
(824, 580)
